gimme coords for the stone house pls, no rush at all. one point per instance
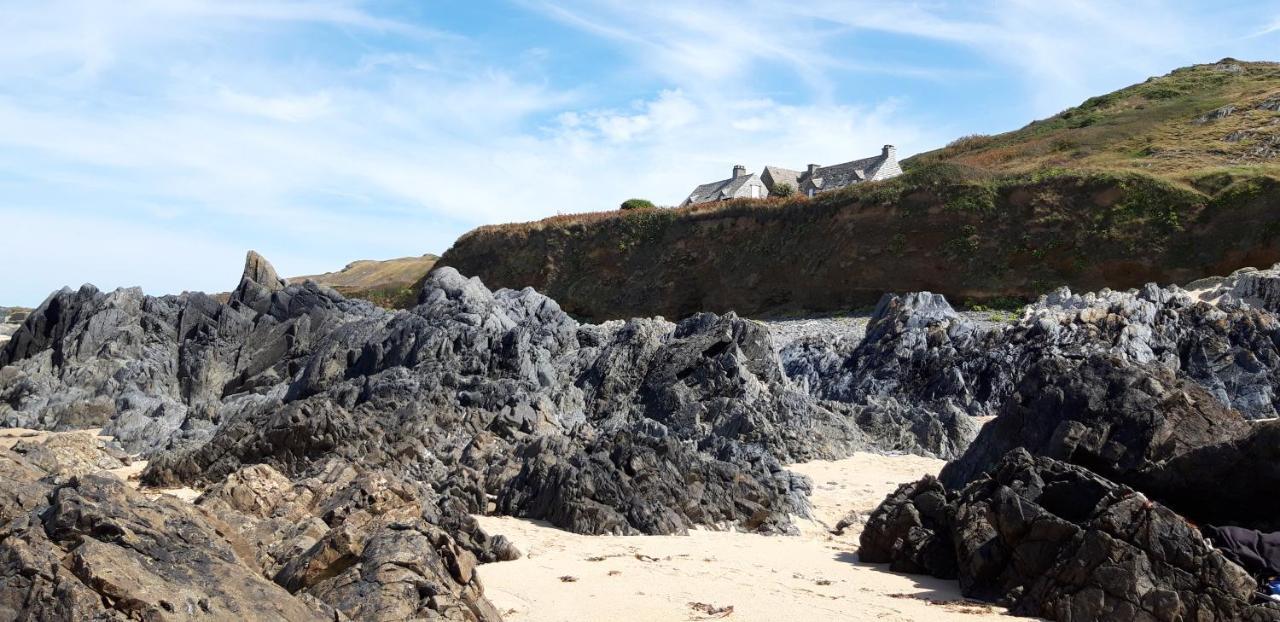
(816, 179)
(740, 186)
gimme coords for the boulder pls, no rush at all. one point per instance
(1056, 540)
(100, 550)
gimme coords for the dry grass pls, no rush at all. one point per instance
(1150, 127)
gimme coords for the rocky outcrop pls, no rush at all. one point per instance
(919, 351)
(96, 549)
(344, 447)
(158, 371)
(644, 426)
(79, 544)
(1122, 420)
(600, 428)
(1056, 540)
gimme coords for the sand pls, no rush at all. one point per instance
(811, 577)
(130, 474)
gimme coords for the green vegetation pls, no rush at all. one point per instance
(783, 190)
(636, 204)
(1148, 127)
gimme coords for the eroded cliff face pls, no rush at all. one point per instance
(969, 239)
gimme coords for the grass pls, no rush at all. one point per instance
(1148, 127)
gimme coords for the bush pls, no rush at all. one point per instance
(784, 190)
(636, 204)
(971, 142)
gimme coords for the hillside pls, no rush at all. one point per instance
(390, 283)
(1176, 125)
(1169, 180)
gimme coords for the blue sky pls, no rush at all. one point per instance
(151, 142)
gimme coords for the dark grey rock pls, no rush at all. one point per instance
(1056, 540)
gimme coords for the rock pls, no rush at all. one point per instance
(1056, 540)
(259, 271)
(127, 555)
(408, 572)
(1214, 115)
(343, 448)
(952, 365)
(72, 454)
(1119, 419)
(910, 532)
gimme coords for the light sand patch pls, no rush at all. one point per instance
(133, 472)
(10, 436)
(130, 474)
(811, 577)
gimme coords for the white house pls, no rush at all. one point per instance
(815, 179)
(740, 186)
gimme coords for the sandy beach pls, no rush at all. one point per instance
(814, 576)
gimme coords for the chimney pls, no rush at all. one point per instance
(889, 152)
(739, 170)
(813, 168)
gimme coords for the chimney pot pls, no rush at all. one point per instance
(739, 170)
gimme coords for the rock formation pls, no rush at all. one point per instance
(1137, 407)
(1056, 540)
(338, 440)
(343, 447)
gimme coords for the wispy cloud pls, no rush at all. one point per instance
(183, 131)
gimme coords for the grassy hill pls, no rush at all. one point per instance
(1221, 116)
(390, 283)
(1168, 180)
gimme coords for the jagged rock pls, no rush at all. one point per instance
(72, 454)
(99, 550)
(1119, 419)
(1056, 540)
(408, 572)
(1215, 114)
(415, 392)
(1258, 288)
(909, 531)
(258, 270)
(625, 483)
(333, 437)
(947, 364)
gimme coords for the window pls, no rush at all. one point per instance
(755, 192)
(811, 193)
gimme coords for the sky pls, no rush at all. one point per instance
(152, 142)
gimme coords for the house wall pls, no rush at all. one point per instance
(889, 169)
(745, 191)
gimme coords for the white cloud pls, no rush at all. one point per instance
(281, 108)
(188, 135)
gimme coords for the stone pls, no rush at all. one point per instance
(1055, 540)
(129, 556)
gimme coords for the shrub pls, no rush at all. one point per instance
(636, 204)
(971, 142)
(783, 190)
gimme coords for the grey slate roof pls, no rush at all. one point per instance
(718, 190)
(775, 176)
(841, 175)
